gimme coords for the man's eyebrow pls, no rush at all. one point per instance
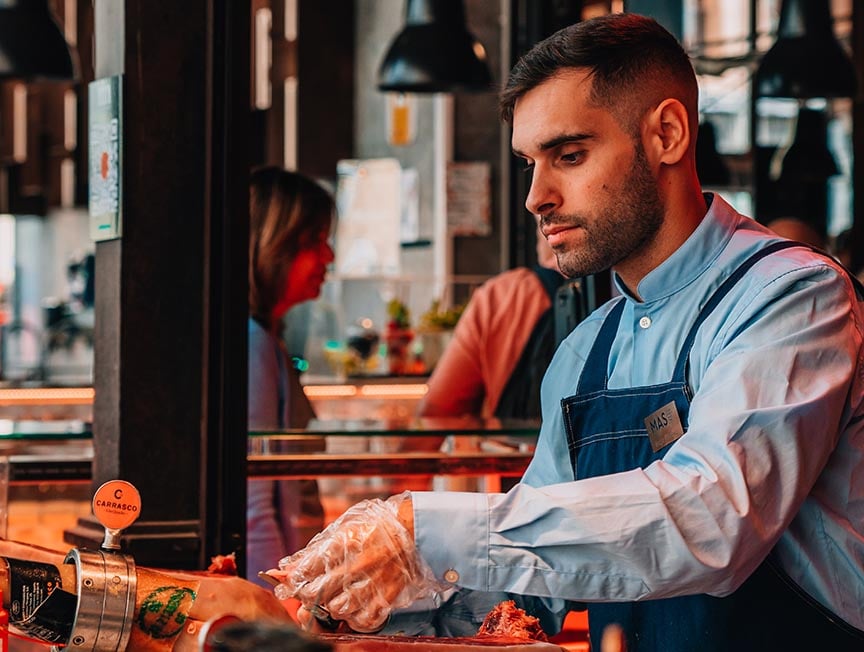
(556, 141)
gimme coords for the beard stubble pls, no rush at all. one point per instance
(630, 219)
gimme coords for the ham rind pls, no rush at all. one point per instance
(506, 619)
(372, 643)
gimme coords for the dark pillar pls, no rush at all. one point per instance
(325, 83)
(170, 352)
(531, 21)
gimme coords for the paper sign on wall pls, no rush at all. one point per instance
(469, 198)
(105, 129)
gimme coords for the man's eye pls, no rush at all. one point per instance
(573, 157)
(527, 167)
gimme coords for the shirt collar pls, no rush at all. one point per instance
(693, 257)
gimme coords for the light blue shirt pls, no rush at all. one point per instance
(773, 457)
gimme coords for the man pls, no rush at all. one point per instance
(698, 477)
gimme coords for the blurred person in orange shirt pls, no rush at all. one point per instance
(501, 347)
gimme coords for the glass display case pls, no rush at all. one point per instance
(45, 466)
(61, 451)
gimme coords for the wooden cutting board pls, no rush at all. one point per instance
(371, 643)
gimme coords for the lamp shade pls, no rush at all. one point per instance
(801, 191)
(32, 46)
(808, 159)
(806, 60)
(434, 52)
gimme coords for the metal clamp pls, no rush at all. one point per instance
(106, 586)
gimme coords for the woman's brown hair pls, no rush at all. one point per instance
(287, 211)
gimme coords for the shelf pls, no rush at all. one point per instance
(384, 465)
(25, 469)
(35, 431)
(482, 447)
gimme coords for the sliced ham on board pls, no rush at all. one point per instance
(372, 643)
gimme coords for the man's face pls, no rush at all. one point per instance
(592, 188)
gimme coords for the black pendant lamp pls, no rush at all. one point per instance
(806, 60)
(32, 47)
(434, 52)
(802, 188)
(808, 158)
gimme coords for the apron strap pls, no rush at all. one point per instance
(681, 366)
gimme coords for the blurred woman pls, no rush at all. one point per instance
(290, 219)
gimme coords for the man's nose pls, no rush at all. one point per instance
(542, 197)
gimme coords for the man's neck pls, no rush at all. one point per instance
(683, 214)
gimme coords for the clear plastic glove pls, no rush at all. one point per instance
(359, 569)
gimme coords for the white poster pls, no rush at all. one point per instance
(368, 196)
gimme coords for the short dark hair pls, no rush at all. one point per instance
(632, 60)
(287, 211)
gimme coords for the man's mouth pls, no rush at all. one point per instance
(555, 229)
(557, 234)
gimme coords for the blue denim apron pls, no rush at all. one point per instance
(607, 433)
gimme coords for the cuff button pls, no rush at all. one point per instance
(451, 576)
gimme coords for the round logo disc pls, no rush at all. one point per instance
(117, 504)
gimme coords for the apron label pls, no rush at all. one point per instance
(663, 426)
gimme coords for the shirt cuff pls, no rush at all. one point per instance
(455, 543)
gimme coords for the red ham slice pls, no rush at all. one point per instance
(223, 565)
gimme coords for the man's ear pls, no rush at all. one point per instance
(667, 132)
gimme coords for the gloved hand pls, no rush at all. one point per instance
(359, 569)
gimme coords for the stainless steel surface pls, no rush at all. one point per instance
(106, 585)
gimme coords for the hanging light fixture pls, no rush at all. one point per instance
(808, 159)
(434, 52)
(808, 164)
(31, 43)
(806, 60)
